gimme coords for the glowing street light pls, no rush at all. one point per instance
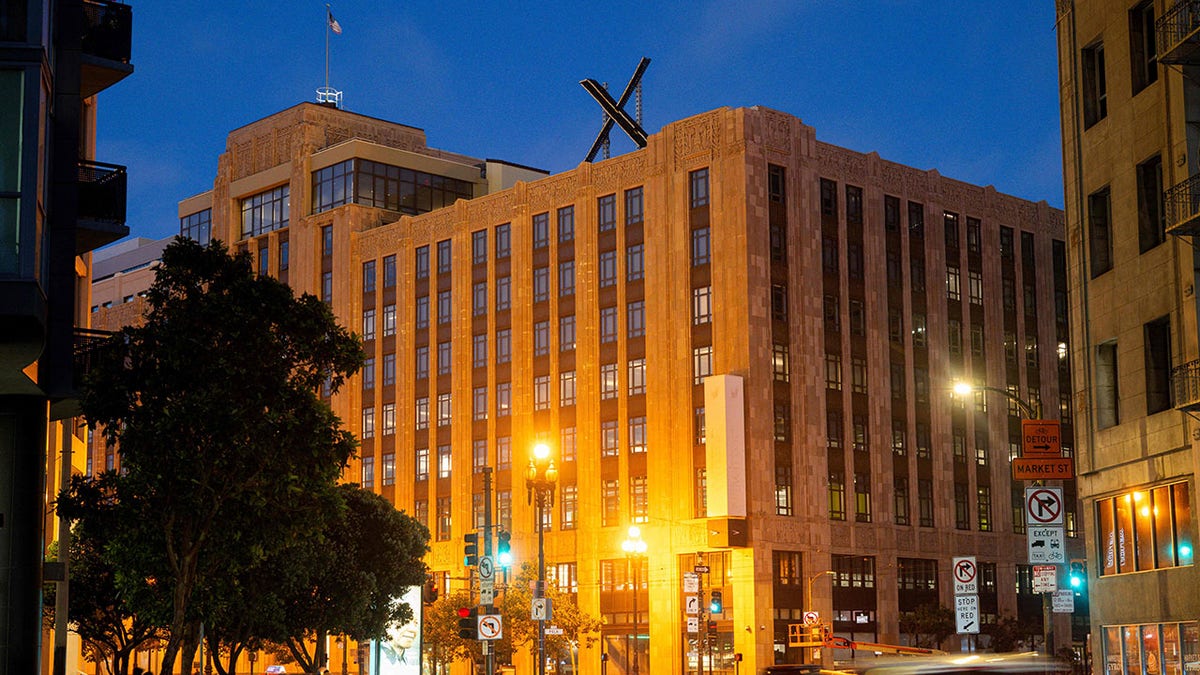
(540, 479)
(635, 549)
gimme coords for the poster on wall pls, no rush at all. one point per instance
(400, 652)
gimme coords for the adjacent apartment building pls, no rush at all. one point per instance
(57, 203)
(1130, 100)
(739, 338)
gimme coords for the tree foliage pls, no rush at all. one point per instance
(928, 626)
(226, 448)
(1009, 633)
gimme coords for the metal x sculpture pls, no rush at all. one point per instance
(615, 110)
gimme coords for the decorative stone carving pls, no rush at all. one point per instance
(612, 174)
(777, 131)
(845, 163)
(697, 135)
(551, 192)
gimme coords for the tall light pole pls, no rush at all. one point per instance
(808, 600)
(635, 550)
(1032, 411)
(540, 479)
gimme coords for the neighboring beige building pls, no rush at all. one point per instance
(1130, 101)
(634, 314)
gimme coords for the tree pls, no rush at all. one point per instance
(928, 626)
(224, 439)
(372, 555)
(1009, 632)
(579, 629)
(108, 628)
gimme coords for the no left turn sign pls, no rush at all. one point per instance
(490, 627)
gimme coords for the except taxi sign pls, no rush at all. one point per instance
(1040, 438)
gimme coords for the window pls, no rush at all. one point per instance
(1157, 350)
(608, 324)
(479, 295)
(503, 399)
(541, 284)
(368, 276)
(634, 263)
(858, 375)
(283, 256)
(778, 242)
(443, 519)
(443, 306)
(638, 497)
(503, 346)
(916, 219)
(421, 362)
(608, 381)
(610, 499)
(953, 288)
(854, 195)
(444, 462)
(975, 287)
(503, 293)
(368, 373)
(566, 223)
(566, 333)
(950, 227)
(954, 336)
(326, 241)
(389, 320)
(974, 235)
(635, 319)
(699, 427)
(541, 338)
(479, 247)
(854, 261)
(777, 184)
(541, 230)
(634, 209)
(898, 438)
(566, 388)
(503, 240)
(541, 392)
(479, 409)
(1145, 529)
(828, 198)
(702, 364)
(984, 506)
(368, 423)
(858, 318)
(783, 490)
(780, 369)
(326, 287)
(443, 409)
(389, 468)
(610, 445)
(833, 371)
(701, 305)
(698, 188)
(265, 212)
(829, 255)
(891, 213)
(570, 501)
(421, 312)
(858, 428)
(1143, 55)
(637, 434)
(608, 268)
(783, 423)
(421, 262)
(197, 226)
(837, 495)
(900, 500)
(367, 480)
(1095, 90)
(833, 314)
(925, 502)
(445, 358)
(916, 276)
(389, 271)
(1107, 393)
(389, 370)
(779, 302)
(422, 464)
(1151, 209)
(368, 324)
(389, 419)
(636, 377)
(606, 213)
(862, 494)
(566, 278)
(701, 251)
(444, 256)
(566, 444)
(917, 574)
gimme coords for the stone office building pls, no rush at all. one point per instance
(739, 338)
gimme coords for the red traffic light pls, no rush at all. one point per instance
(463, 612)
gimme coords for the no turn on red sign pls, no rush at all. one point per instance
(1043, 506)
(966, 576)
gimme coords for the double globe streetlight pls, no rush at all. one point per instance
(635, 550)
(541, 476)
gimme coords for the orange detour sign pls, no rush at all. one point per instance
(1040, 438)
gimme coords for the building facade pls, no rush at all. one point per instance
(739, 338)
(56, 205)
(1129, 100)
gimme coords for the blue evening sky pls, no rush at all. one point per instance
(967, 88)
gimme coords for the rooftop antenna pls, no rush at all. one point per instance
(328, 95)
(614, 112)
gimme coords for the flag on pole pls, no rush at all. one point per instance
(333, 23)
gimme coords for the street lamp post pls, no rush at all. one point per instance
(635, 550)
(808, 600)
(1032, 411)
(540, 479)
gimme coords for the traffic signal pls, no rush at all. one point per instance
(468, 623)
(429, 593)
(470, 549)
(714, 602)
(1077, 577)
(503, 550)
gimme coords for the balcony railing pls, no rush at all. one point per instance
(1185, 383)
(1183, 207)
(1178, 33)
(106, 45)
(102, 189)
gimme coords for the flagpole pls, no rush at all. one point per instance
(328, 13)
